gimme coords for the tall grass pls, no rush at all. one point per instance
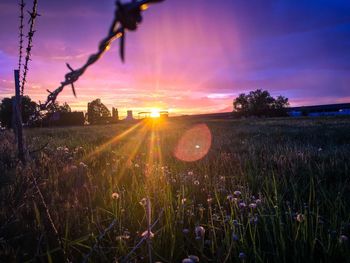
(274, 190)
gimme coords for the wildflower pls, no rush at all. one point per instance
(242, 205)
(147, 234)
(300, 218)
(242, 256)
(196, 182)
(209, 200)
(320, 149)
(200, 232)
(237, 193)
(258, 201)
(115, 196)
(183, 201)
(190, 173)
(187, 260)
(193, 258)
(230, 198)
(235, 222)
(252, 205)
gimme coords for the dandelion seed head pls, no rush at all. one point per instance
(143, 201)
(230, 198)
(242, 205)
(252, 205)
(115, 196)
(300, 218)
(199, 231)
(237, 193)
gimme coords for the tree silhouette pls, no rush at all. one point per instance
(260, 103)
(96, 111)
(56, 107)
(28, 107)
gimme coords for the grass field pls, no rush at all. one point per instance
(269, 190)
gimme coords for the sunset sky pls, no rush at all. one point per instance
(189, 56)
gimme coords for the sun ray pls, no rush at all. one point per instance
(113, 140)
(142, 133)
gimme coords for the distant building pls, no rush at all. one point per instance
(144, 114)
(164, 114)
(129, 116)
(115, 114)
(320, 110)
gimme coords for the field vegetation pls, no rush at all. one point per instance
(269, 190)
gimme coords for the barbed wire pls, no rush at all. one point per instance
(21, 26)
(128, 16)
(33, 14)
(73, 76)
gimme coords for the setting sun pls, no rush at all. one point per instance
(155, 113)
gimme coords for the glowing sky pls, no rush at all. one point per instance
(189, 56)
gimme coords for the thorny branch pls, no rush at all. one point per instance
(30, 35)
(21, 17)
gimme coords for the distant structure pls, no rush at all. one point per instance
(115, 114)
(320, 110)
(144, 114)
(129, 116)
(147, 114)
(164, 114)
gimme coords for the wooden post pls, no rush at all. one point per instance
(17, 117)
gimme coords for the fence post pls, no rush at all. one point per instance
(17, 117)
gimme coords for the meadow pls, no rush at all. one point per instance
(268, 190)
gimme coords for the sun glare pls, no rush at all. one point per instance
(155, 113)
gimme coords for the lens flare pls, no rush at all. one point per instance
(194, 144)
